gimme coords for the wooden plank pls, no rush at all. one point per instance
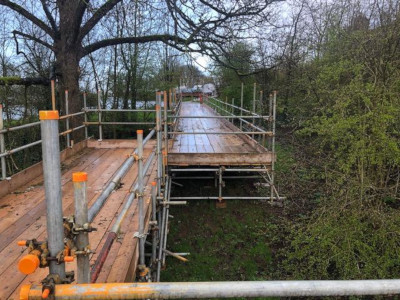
(102, 221)
(121, 270)
(18, 204)
(23, 177)
(20, 224)
(95, 184)
(117, 144)
(217, 159)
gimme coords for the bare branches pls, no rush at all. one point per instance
(165, 38)
(32, 38)
(49, 16)
(22, 11)
(97, 16)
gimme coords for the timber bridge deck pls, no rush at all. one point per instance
(187, 137)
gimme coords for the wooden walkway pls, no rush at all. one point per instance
(212, 149)
(23, 215)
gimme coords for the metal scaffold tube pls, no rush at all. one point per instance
(95, 208)
(199, 290)
(228, 198)
(85, 116)
(140, 199)
(2, 147)
(112, 235)
(52, 183)
(99, 107)
(166, 203)
(241, 105)
(67, 119)
(273, 145)
(153, 263)
(81, 220)
(159, 142)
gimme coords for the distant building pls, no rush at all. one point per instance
(195, 91)
(209, 89)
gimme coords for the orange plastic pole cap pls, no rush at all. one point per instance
(46, 293)
(28, 264)
(48, 115)
(79, 176)
(139, 131)
(68, 258)
(21, 243)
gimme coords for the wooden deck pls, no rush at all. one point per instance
(213, 149)
(23, 215)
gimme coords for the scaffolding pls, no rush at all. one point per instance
(68, 237)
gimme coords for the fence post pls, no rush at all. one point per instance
(99, 107)
(67, 119)
(85, 107)
(52, 184)
(81, 220)
(2, 147)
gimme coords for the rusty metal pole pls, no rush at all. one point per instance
(2, 147)
(52, 184)
(99, 107)
(86, 119)
(67, 119)
(82, 221)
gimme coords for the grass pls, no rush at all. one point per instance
(235, 243)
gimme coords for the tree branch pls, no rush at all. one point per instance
(49, 16)
(35, 39)
(165, 38)
(22, 11)
(99, 13)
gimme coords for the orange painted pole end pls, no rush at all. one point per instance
(48, 115)
(25, 291)
(79, 177)
(139, 131)
(68, 258)
(21, 243)
(46, 293)
(28, 264)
